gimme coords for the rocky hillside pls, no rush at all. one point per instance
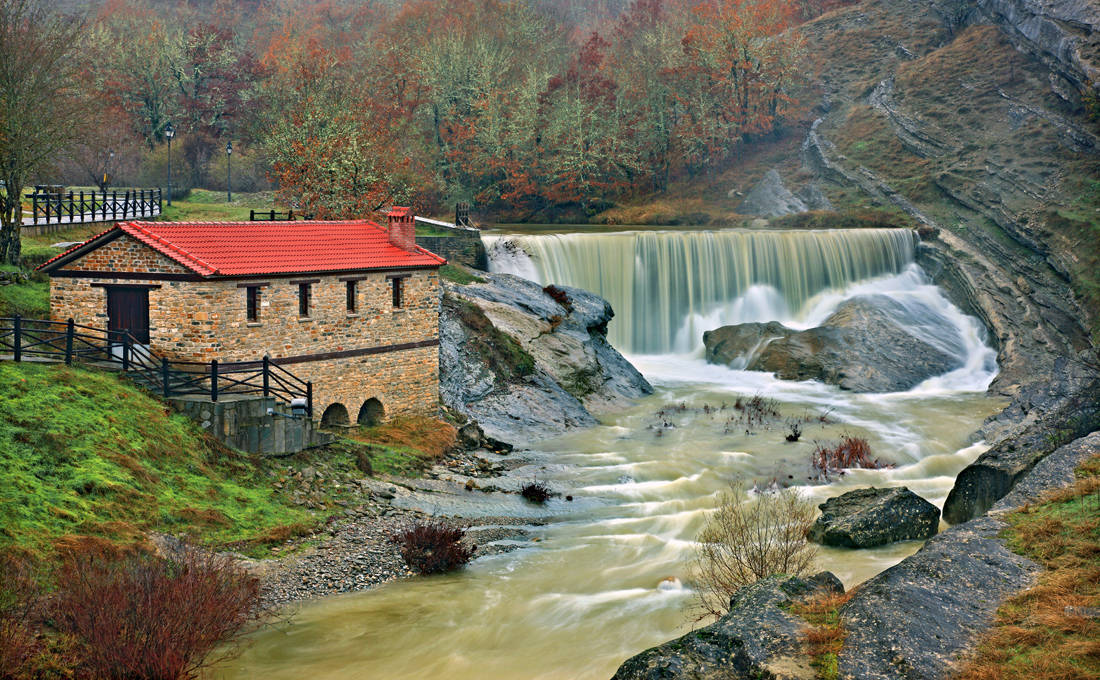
(977, 123)
(529, 363)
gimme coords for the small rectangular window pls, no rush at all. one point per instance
(303, 300)
(351, 297)
(253, 302)
(396, 293)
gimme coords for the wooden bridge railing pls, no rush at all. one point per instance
(53, 207)
(39, 339)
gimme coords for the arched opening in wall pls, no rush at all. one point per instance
(335, 414)
(372, 413)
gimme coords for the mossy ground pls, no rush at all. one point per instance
(84, 453)
(503, 355)
(463, 276)
(1051, 631)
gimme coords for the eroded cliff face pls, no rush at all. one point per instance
(526, 365)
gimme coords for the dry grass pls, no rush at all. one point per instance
(825, 638)
(1050, 632)
(429, 438)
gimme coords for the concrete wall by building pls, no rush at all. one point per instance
(376, 352)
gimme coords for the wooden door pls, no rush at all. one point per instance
(128, 310)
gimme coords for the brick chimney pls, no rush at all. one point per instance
(402, 229)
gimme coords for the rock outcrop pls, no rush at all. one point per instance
(1069, 411)
(865, 346)
(758, 638)
(526, 366)
(915, 619)
(865, 518)
(771, 198)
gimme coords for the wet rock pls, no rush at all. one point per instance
(864, 518)
(562, 368)
(771, 198)
(871, 343)
(997, 471)
(470, 436)
(758, 638)
(916, 618)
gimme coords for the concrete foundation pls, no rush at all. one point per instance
(250, 423)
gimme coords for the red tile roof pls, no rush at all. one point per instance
(250, 248)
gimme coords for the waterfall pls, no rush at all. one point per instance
(667, 287)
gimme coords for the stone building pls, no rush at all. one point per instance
(351, 306)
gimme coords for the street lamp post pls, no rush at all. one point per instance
(229, 172)
(169, 133)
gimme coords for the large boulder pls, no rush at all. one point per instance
(864, 518)
(758, 638)
(525, 365)
(871, 343)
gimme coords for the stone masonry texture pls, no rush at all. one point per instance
(207, 319)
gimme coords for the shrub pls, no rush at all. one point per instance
(559, 296)
(434, 548)
(17, 639)
(536, 492)
(851, 452)
(139, 616)
(795, 432)
(747, 539)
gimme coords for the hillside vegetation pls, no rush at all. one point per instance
(84, 453)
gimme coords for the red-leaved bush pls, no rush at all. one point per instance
(434, 548)
(18, 643)
(851, 452)
(139, 617)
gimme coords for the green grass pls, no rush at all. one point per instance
(30, 298)
(84, 453)
(458, 274)
(202, 205)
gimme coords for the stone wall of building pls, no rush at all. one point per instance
(207, 319)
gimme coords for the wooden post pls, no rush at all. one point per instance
(34, 208)
(267, 375)
(165, 377)
(81, 205)
(17, 340)
(71, 213)
(103, 203)
(309, 399)
(213, 380)
(47, 197)
(126, 350)
(70, 331)
(114, 205)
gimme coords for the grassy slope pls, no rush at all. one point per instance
(85, 453)
(1045, 633)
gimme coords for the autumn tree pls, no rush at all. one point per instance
(40, 109)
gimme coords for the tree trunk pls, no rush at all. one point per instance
(11, 221)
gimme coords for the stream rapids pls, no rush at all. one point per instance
(590, 590)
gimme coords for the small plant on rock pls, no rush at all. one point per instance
(536, 492)
(434, 548)
(559, 296)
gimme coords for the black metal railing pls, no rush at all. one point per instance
(69, 342)
(270, 216)
(54, 207)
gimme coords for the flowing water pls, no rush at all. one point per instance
(589, 589)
